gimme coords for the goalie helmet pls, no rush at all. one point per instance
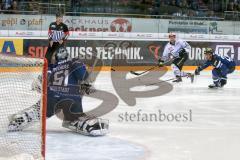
(61, 54)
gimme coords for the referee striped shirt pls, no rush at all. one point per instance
(58, 32)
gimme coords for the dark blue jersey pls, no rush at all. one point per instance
(66, 76)
(219, 62)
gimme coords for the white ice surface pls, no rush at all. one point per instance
(213, 133)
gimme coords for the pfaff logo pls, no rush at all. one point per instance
(225, 50)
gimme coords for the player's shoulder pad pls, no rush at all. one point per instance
(168, 45)
(64, 24)
(77, 61)
(216, 56)
(53, 23)
(180, 41)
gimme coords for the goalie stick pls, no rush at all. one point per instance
(87, 85)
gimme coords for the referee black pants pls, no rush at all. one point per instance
(51, 50)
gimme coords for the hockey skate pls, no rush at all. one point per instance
(191, 76)
(214, 86)
(217, 84)
(90, 127)
(25, 118)
(178, 79)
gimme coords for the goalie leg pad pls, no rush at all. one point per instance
(24, 118)
(90, 127)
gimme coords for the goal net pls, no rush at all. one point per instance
(16, 95)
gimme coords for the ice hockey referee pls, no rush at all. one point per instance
(57, 35)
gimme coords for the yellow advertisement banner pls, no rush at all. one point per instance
(11, 46)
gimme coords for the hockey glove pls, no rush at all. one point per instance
(197, 71)
(160, 63)
(86, 88)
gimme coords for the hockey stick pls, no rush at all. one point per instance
(138, 74)
(86, 85)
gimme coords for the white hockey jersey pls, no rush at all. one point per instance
(173, 49)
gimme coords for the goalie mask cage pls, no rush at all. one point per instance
(16, 94)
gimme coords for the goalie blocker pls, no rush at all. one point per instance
(66, 86)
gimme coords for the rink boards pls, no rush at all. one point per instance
(123, 54)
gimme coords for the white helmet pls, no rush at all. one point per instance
(61, 54)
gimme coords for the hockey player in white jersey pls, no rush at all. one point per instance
(176, 51)
(65, 90)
